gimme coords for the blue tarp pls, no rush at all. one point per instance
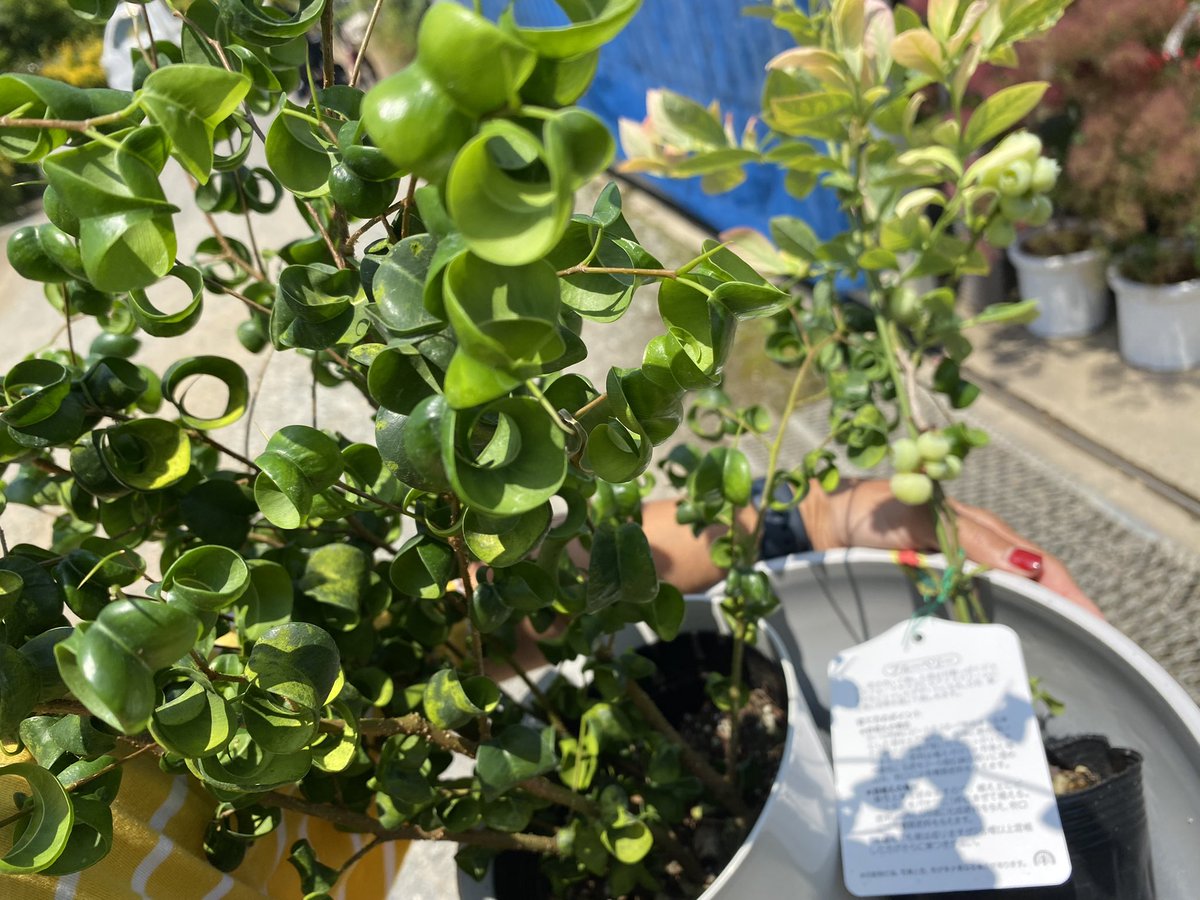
(706, 50)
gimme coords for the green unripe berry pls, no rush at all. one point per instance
(1045, 175)
(251, 334)
(1017, 209)
(1043, 209)
(1015, 180)
(953, 466)
(106, 343)
(904, 306)
(1000, 233)
(361, 158)
(359, 197)
(905, 455)
(933, 446)
(936, 470)
(912, 488)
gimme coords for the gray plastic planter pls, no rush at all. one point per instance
(833, 600)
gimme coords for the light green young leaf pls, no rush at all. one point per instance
(1001, 111)
(188, 102)
(594, 23)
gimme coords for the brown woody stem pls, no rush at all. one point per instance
(695, 763)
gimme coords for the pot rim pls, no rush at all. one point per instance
(1021, 257)
(1170, 292)
(1096, 628)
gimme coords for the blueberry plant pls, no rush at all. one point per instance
(870, 106)
(320, 616)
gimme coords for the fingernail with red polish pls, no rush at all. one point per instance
(1027, 561)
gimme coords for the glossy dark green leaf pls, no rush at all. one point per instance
(423, 567)
(268, 25)
(295, 155)
(399, 380)
(517, 753)
(159, 324)
(298, 463)
(34, 390)
(337, 576)
(191, 718)
(113, 384)
(11, 586)
(298, 662)
(275, 725)
(621, 567)
(244, 767)
(218, 512)
(54, 740)
(19, 688)
(206, 578)
(38, 606)
(48, 828)
(146, 454)
(316, 878)
(399, 287)
(44, 253)
(178, 377)
(521, 465)
(188, 102)
(501, 541)
(450, 702)
(314, 308)
(267, 601)
(90, 839)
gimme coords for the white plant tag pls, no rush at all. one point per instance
(942, 781)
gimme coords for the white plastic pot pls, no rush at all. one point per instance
(833, 600)
(1070, 290)
(1158, 324)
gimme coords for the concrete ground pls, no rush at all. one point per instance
(1092, 459)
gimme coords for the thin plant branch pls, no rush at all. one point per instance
(362, 48)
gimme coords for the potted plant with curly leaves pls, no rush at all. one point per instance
(278, 627)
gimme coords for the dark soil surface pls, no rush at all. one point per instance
(712, 835)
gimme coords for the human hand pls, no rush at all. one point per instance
(865, 514)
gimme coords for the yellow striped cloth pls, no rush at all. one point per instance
(158, 850)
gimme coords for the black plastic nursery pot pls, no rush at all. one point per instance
(1105, 825)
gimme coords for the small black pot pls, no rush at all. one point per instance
(1106, 828)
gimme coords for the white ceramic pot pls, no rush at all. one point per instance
(1070, 290)
(1158, 324)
